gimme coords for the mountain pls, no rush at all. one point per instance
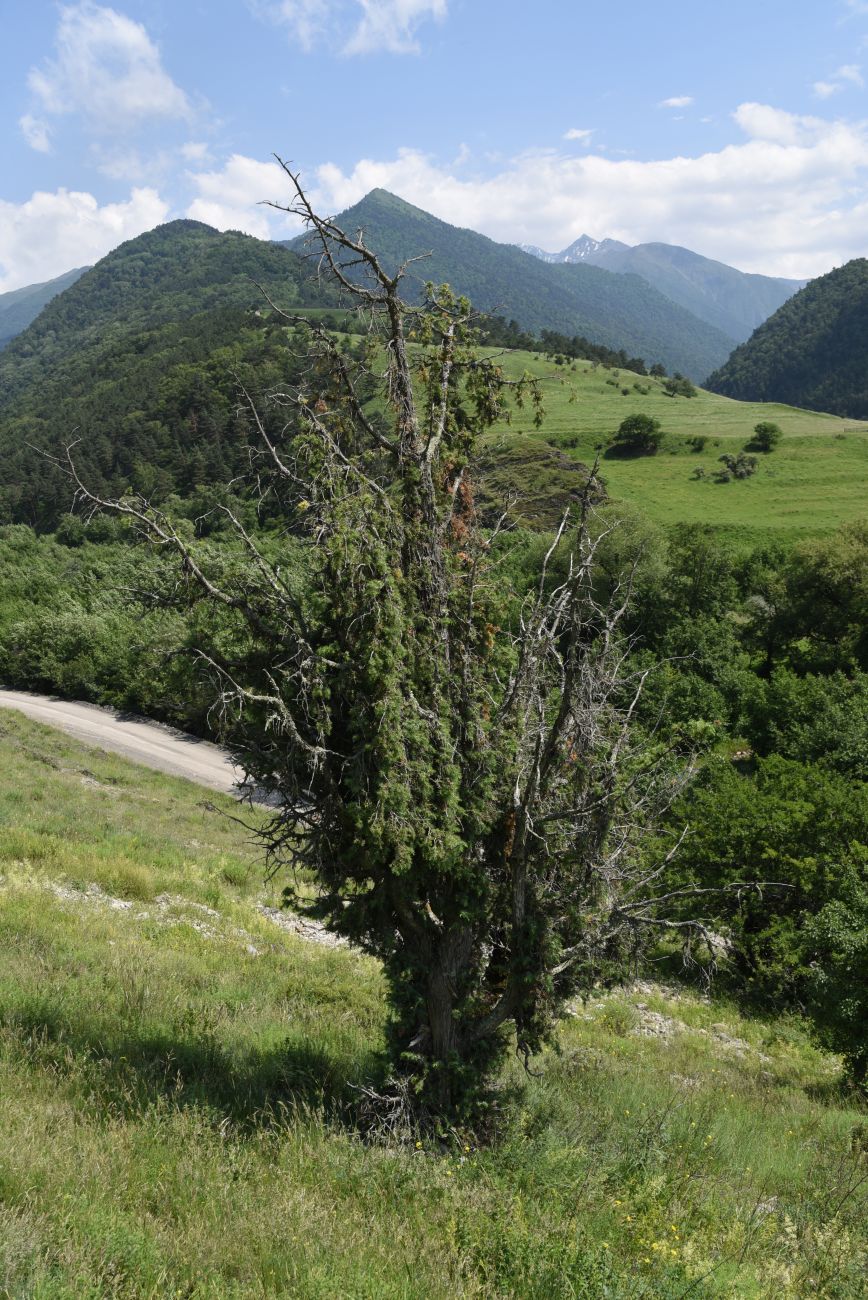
(137, 358)
(583, 249)
(620, 311)
(21, 306)
(813, 352)
(730, 300)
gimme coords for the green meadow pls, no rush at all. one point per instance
(813, 482)
(180, 1110)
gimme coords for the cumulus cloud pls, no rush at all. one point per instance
(52, 232)
(231, 198)
(578, 133)
(354, 26)
(677, 101)
(790, 198)
(105, 69)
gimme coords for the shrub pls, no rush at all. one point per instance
(679, 386)
(740, 466)
(640, 434)
(766, 436)
(837, 943)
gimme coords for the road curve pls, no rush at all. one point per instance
(150, 743)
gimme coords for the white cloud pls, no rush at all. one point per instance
(231, 199)
(790, 198)
(52, 233)
(106, 69)
(676, 101)
(35, 132)
(307, 20)
(195, 151)
(849, 74)
(578, 133)
(382, 26)
(391, 25)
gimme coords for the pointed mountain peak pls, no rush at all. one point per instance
(584, 249)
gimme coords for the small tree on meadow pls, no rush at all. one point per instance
(640, 434)
(679, 386)
(766, 436)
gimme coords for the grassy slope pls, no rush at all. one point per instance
(174, 1115)
(815, 480)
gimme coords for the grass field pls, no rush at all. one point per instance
(814, 481)
(177, 1118)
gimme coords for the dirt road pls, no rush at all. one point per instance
(150, 743)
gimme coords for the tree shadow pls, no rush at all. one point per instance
(618, 451)
(132, 1070)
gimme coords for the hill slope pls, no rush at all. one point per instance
(620, 311)
(813, 482)
(137, 359)
(731, 300)
(724, 297)
(21, 306)
(176, 1071)
(813, 352)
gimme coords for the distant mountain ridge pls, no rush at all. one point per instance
(617, 310)
(583, 249)
(21, 306)
(731, 300)
(813, 352)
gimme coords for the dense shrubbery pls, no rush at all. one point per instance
(764, 654)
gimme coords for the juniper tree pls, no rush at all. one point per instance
(454, 763)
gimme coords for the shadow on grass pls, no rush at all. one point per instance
(619, 451)
(129, 1072)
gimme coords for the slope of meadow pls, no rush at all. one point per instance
(179, 1120)
(812, 483)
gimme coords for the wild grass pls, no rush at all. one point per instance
(178, 1114)
(812, 483)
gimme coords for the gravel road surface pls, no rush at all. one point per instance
(149, 743)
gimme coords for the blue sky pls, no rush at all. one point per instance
(738, 129)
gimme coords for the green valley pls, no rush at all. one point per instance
(814, 481)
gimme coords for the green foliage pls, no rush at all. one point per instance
(143, 356)
(740, 466)
(640, 434)
(787, 822)
(836, 941)
(813, 352)
(679, 386)
(766, 436)
(21, 306)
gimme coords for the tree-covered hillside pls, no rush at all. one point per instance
(813, 352)
(139, 360)
(721, 295)
(619, 311)
(21, 306)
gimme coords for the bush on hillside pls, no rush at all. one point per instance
(766, 436)
(638, 434)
